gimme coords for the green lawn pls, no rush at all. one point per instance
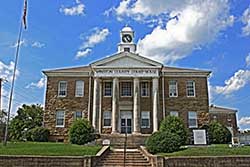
(47, 148)
(212, 150)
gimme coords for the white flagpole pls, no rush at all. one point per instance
(13, 83)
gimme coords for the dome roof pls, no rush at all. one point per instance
(127, 28)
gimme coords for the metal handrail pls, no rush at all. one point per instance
(125, 146)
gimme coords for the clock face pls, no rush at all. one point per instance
(126, 38)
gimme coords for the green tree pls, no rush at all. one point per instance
(218, 133)
(81, 132)
(174, 125)
(27, 118)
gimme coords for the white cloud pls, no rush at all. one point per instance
(37, 44)
(6, 71)
(39, 84)
(74, 10)
(244, 121)
(248, 60)
(182, 26)
(246, 22)
(140, 9)
(22, 43)
(83, 53)
(235, 83)
(98, 36)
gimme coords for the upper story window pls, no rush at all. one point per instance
(174, 113)
(126, 89)
(126, 49)
(173, 91)
(62, 89)
(107, 88)
(77, 115)
(145, 119)
(192, 119)
(79, 92)
(60, 118)
(107, 118)
(145, 89)
(190, 88)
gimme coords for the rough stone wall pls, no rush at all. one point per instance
(183, 104)
(236, 161)
(227, 119)
(44, 161)
(69, 104)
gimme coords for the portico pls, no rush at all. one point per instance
(125, 98)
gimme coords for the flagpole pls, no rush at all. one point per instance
(13, 83)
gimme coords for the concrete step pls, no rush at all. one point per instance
(134, 158)
(127, 158)
(110, 164)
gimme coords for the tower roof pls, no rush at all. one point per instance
(127, 28)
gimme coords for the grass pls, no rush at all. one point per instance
(47, 148)
(213, 150)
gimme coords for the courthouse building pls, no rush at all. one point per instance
(124, 90)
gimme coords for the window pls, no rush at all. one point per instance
(173, 91)
(126, 49)
(145, 119)
(174, 113)
(60, 119)
(107, 118)
(144, 89)
(79, 89)
(190, 88)
(192, 119)
(108, 89)
(126, 89)
(62, 89)
(77, 115)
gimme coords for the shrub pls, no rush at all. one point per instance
(39, 134)
(218, 133)
(174, 125)
(81, 132)
(163, 141)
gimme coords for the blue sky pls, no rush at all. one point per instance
(213, 35)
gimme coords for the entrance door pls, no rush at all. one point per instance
(126, 121)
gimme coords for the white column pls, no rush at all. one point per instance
(155, 104)
(95, 103)
(115, 104)
(136, 108)
(100, 108)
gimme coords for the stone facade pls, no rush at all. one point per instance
(69, 104)
(131, 110)
(225, 116)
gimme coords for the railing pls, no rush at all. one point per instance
(125, 146)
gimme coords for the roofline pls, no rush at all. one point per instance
(221, 107)
(62, 68)
(113, 55)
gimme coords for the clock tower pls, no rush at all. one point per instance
(127, 40)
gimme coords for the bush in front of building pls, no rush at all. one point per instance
(175, 125)
(81, 132)
(163, 141)
(39, 134)
(218, 133)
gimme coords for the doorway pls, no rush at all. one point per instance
(126, 121)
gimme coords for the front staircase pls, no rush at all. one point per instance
(115, 158)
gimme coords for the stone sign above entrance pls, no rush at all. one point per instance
(126, 73)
